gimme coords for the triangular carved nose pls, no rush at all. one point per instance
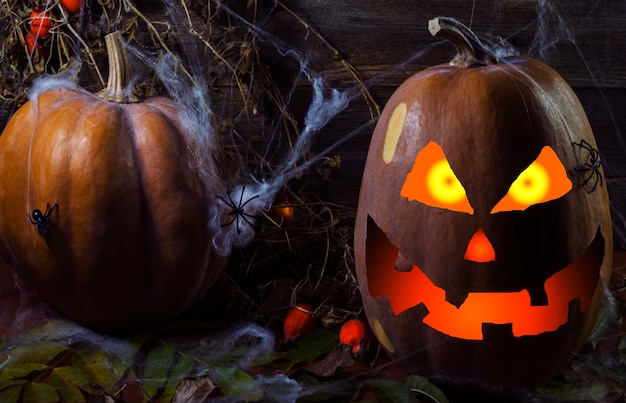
(479, 249)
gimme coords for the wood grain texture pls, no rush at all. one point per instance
(386, 42)
(383, 42)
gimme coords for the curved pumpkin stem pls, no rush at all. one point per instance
(119, 71)
(470, 50)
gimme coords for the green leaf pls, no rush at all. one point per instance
(322, 391)
(233, 381)
(609, 368)
(180, 370)
(40, 352)
(40, 393)
(7, 383)
(610, 313)
(12, 394)
(51, 330)
(96, 366)
(137, 339)
(577, 393)
(422, 386)
(390, 391)
(21, 370)
(156, 369)
(66, 380)
(621, 350)
(315, 344)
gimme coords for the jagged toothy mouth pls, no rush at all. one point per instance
(406, 290)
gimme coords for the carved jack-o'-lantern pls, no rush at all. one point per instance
(483, 237)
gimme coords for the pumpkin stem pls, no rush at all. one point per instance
(119, 71)
(470, 50)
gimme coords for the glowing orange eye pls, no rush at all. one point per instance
(543, 180)
(433, 182)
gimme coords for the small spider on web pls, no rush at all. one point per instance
(237, 211)
(41, 220)
(591, 166)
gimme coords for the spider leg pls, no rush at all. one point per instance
(235, 219)
(582, 169)
(592, 165)
(595, 184)
(231, 220)
(237, 211)
(245, 216)
(248, 201)
(230, 203)
(243, 189)
(587, 179)
(31, 220)
(232, 211)
(585, 144)
(237, 223)
(594, 175)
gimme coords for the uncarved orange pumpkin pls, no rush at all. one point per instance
(483, 239)
(105, 209)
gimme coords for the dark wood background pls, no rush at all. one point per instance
(384, 42)
(387, 41)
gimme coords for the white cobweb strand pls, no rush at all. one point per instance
(257, 196)
(238, 229)
(241, 346)
(192, 99)
(66, 79)
(551, 29)
(320, 112)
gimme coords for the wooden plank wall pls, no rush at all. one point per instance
(381, 43)
(386, 41)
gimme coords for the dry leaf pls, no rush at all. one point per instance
(339, 357)
(194, 390)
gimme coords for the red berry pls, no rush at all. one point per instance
(73, 6)
(40, 22)
(299, 321)
(282, 214)
(354, 333)
(32, 44)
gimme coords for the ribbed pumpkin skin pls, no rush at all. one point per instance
(129, 245)
(491, 122)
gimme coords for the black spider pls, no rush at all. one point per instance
(592, 166)
(237, 210)
(42, 220)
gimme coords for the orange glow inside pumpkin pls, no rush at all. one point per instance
(406, 290)
(543, 180)
(479, 248)
(433, 182)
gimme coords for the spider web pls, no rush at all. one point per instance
(267, 146)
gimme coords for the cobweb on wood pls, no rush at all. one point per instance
(262, 106)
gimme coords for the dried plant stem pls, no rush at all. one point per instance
(372, 104)
(80, 39)
(324, 264)
(213, 50)
(119, 71)
(153, 29)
